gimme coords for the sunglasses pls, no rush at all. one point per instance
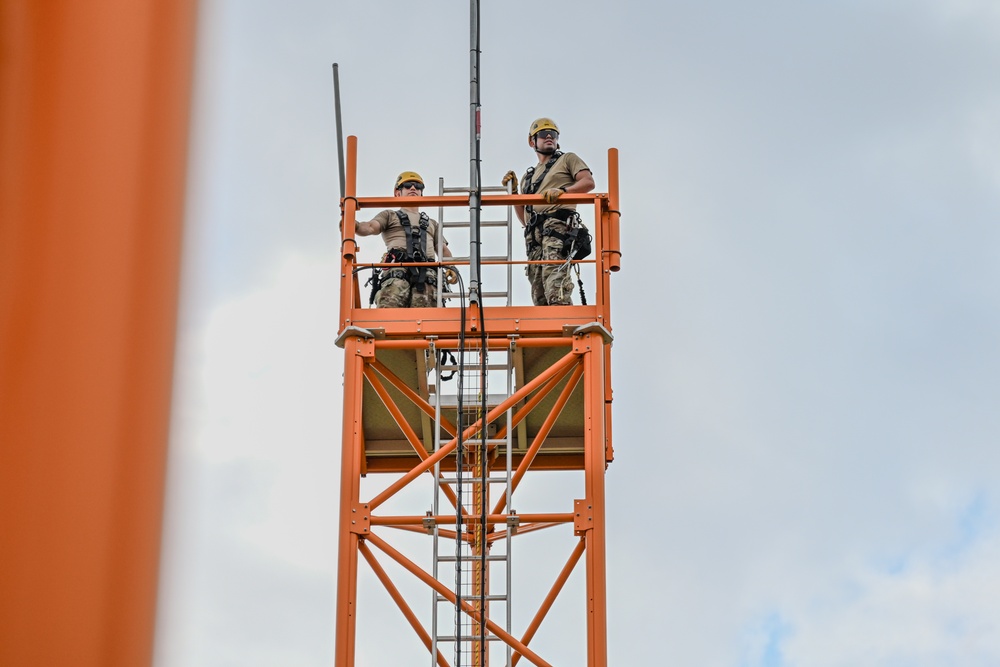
(410, 184)
(547, 134)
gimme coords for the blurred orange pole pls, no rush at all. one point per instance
(94, 107)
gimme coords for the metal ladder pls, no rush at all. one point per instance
(474, 564)
(498, 297)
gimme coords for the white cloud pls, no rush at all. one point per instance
(253, 476)
(927, 615)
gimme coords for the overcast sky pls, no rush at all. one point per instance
(806, 367)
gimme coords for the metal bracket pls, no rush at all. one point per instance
(360, 519)
(362, 347)
(352, 331)
(513, 522)
(430, 523)
(593, 327)
(583, 517)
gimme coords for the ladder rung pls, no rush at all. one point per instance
(483, 188)
(489, 441)
(475, 598)
(485, 295)
(468, 638)
(472, 366)
(491, 557)
(492, 258)
(451, 401)
(474, 480)
(482, 223)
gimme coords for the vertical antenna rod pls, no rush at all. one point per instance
(340, 130)
(475, 187)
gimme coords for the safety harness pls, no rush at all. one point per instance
(576, 241)
(416, 248)
(530, 187)
(416, 251)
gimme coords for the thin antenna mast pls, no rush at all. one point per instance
(340, 129)
(475, 187)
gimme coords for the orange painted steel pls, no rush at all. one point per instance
(94, 109)
(553, 593)
(566, 357)
(408, 432)
(414, 397)
(491, 344)
(491, 519)
(400, 601)
(546, 426)
(427, 463)
(451, 597)
(350, 473)
(596, 533)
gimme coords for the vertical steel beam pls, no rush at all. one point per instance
(591, 345)
(355, 349)
(349, 245)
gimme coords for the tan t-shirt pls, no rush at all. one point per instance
(394, 234)
(562, 174)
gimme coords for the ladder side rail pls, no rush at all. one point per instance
(508, 491)
(510, 254)
(439, 248)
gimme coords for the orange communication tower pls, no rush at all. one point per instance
(473, 451)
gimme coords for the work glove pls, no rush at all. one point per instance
(450, 275)
(510, 177)
(551, 195)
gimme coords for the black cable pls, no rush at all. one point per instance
(484, 484)
(459, 455)
(483, 370)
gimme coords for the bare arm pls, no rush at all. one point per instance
(519, 211)
(584, 182)
(368, 228)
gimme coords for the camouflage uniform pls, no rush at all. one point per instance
(551, 284)
(395, 290)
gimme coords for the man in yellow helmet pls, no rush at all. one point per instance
(546, 226)
(410, 236)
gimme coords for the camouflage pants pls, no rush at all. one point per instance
(396, 292)
(550, 283)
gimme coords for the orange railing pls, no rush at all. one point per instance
(606, 256)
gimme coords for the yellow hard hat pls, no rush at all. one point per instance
(408, 176)
(542, 124)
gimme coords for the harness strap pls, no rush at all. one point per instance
(571, 234)
(530, 186)
(561, 214)
(416, 248)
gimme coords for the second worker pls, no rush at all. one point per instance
(549, 228)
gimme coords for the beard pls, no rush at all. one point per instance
(546, 150)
